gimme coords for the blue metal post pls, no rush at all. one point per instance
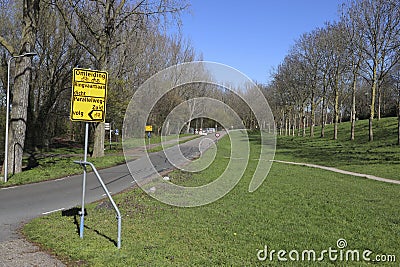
(82, 225)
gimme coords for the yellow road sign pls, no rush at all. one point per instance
(149, 128)
(89, 92)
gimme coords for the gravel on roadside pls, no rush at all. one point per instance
(18, 252)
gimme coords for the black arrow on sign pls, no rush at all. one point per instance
(90, 115)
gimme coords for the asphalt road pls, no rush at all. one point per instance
(22, 203)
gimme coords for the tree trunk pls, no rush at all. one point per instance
(323, 121)
(398, 123)
(188, 127)
(23, 68)
(326, 116)
(307, 118)
(353, 107)
(336, 110)
(98, 144)
(336, 122)
(294, 125)
(18, 115)
(379, 103)
(192, 107)
(371, 133)
(372, 112)
(372, 106)
(301, 124)
(286, 123)
(105, 43)
(313, 105)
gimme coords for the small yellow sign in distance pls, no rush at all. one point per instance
(89, 92)
(149, 128)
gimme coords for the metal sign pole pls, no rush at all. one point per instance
(82, 109)
(110, 136)
(84, 181)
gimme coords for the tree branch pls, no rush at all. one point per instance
(7, 45)
(84, 20)
(72, 32)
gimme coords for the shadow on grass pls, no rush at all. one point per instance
(75, 212)
(337, 152)
(341, 152)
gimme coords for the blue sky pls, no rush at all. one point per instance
(253, 36)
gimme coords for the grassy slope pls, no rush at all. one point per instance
(296, 208)
(380, 157)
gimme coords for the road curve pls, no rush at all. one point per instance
(22, 203)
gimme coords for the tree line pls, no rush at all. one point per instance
(347, 70)
(128, 39)
(131, 40)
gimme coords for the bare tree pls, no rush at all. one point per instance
(98, 26)
(307, 49)
(334, 59)
(324, 44)
(379, 22)
(50, 94)
(338, 60)
(290, 84)
(353, 37)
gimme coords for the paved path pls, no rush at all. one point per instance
(20, 204)
(368, 176)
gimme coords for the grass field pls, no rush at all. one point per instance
(296, 209)
(380, 157)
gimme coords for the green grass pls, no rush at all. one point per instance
(51, 168)
(380, 157)
(296, 208)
